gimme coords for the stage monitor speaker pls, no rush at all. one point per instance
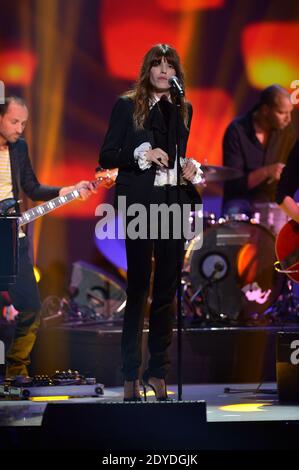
(95, 288)
(125, 426)
(287, 366)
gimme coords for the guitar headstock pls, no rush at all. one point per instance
(106, 178)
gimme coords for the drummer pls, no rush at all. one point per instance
(258, 143)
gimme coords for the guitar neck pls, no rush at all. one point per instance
(43, 209)
(47, 207)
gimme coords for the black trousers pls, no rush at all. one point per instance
(168, 258)
(25, 298)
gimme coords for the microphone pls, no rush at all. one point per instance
(175, 83)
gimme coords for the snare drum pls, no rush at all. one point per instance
(270, 215)
(234, 269)
(208, 218)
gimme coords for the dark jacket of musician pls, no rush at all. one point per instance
(23, 176)
(123, 138)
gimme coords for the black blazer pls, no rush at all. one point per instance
(23, 176)
(117, 151)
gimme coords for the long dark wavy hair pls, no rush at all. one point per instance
(143, 89)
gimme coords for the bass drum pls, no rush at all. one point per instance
(233, 271)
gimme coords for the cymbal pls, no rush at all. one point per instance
(220, 173)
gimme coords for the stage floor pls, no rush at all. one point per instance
(245, 402)
(229, 404)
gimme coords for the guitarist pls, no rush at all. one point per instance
(16, 174)
(289, 184)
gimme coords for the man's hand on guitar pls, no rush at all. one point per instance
(85, 188)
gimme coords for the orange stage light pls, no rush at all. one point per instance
(271, 53)
(17, 67)
(213, 110)
(247, 263)
(190, 5)
(128, 32)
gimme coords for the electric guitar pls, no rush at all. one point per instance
(287, 250)
(104, 178)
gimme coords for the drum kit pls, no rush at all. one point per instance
(231, 279)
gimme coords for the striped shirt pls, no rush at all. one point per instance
(5, 175)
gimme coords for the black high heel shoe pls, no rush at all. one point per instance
(131, 390)
(159, 389)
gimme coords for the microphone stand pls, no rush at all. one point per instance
(212, 279)
(179, 267)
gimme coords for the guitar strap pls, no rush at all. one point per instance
(16, 176)
(15, 171)
(290, 259)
